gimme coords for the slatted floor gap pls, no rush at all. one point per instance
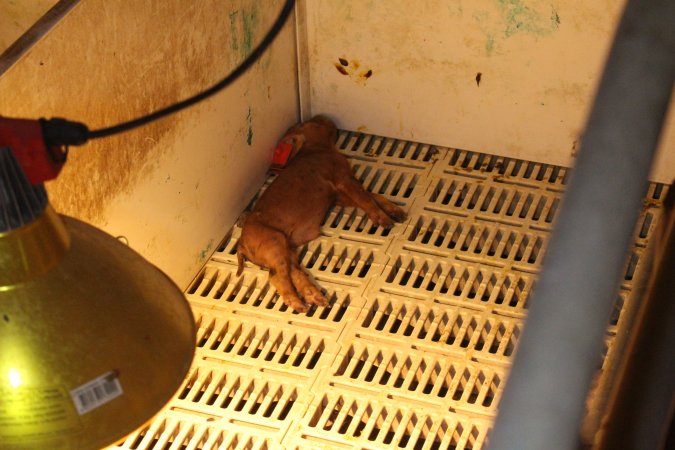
(414, 349)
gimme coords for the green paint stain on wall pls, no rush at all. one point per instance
(521, 18)
(482, 19)
(249, 124)
(266, 60)
(489, 44)
(234, 34)
(555, 19)
(507, 18)
(206, 251)
(250, 21)
(242, 30)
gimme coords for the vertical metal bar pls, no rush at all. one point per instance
(598, 403)
(302, 60)
(560, 348)
(642, 406)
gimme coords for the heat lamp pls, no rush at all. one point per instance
(94, 340)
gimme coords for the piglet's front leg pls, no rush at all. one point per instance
(381, 211)
(393, 210)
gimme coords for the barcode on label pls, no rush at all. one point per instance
(96, 393)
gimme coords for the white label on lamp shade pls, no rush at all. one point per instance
(96, 393)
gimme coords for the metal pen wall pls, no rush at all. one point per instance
(543, 404)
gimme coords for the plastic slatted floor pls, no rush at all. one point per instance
(424, 318)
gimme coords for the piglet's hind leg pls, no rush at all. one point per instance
(281, 280)
(310, 292)
(269, 248)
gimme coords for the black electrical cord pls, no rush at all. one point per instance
(222, 84)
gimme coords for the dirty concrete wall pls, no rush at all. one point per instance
(172, 188)
(508, 77)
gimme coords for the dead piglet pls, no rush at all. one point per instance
(289, 213)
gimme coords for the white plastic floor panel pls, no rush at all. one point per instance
(415, 347)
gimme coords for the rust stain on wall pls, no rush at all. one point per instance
(341, 69)
(351, 67)
(119, 65)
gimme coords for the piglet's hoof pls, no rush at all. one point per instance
(393, 211)
(383, 220)
(317, 299)
(313, 296)
(397, 214)
(296, 305)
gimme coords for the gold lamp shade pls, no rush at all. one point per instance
(94, 340)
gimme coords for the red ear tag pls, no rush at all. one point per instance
(281, 155)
